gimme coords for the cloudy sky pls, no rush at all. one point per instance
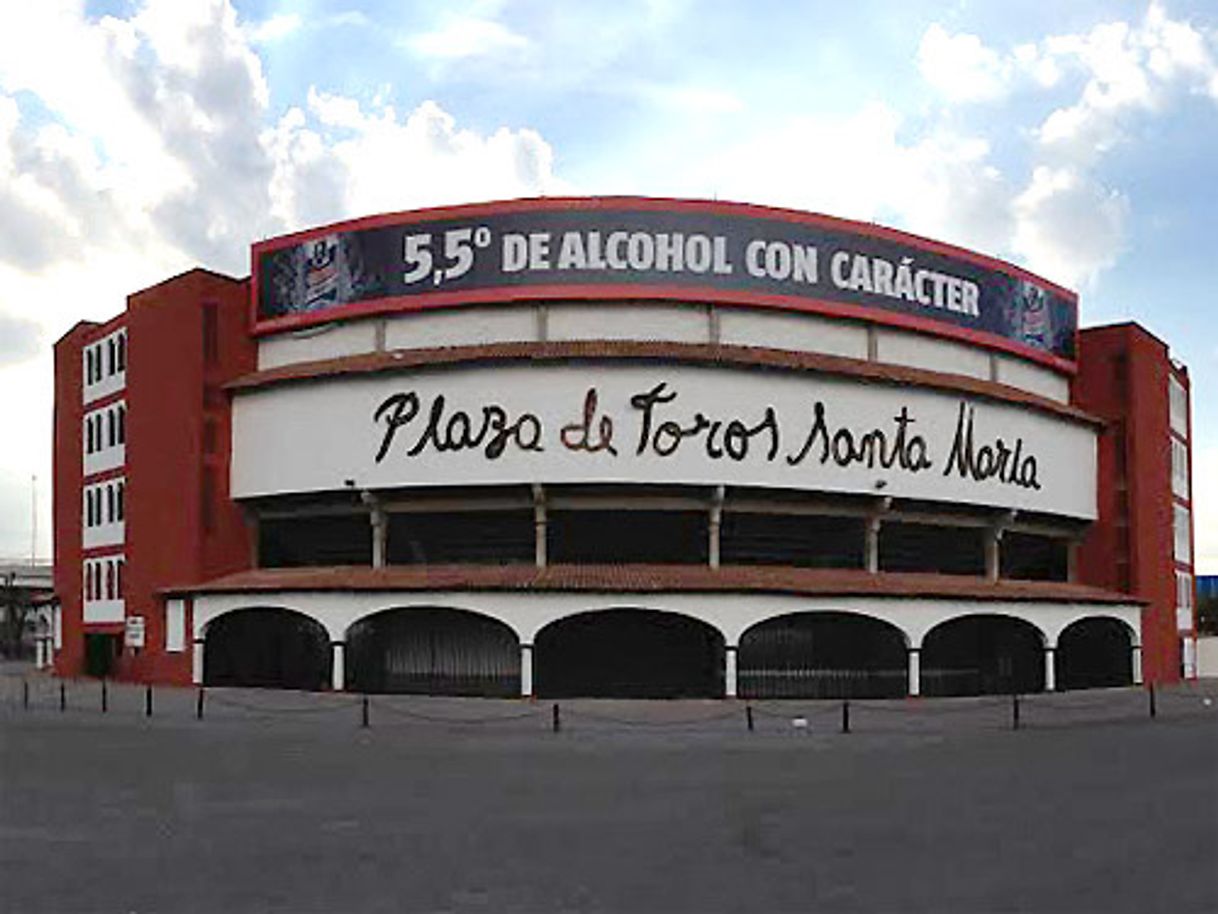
(138, 139)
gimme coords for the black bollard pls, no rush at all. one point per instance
(199, 706)
(845, 717)
(1150, 690)
(148, 700)
(363, 720)
(63, 697)
(25, 695)
(105, 697)
(556, 720)
(748, 716)
(1014, 712)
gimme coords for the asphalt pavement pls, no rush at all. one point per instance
(284, 802)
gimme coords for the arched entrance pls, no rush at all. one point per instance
(1094, 653)
(629, 653)
(983, 655)
(822, 655)
(266, 647)
(430, 650)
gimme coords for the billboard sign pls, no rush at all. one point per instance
(629, 248)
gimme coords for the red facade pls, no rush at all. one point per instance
(1124, 377)
(186, 337)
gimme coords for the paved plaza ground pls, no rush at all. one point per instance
(284, 802)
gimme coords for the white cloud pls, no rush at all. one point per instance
(274, 29)
(1068, 226)
(961, 67)
(695, 100)
(466, 37)
(153, 153)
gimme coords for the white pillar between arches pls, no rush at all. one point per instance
(915, 671)
(526, 671)
(729, 671)
(338, 654)
(196, 662)
(1137, 664)
(1050, 675)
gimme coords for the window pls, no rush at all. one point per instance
(118, 578)
(122, 423)
(122, 352)
(109, 504)
(1179, 467)
(122, 491)
(211, 334)
(1183, 538)
(109, 580)
(88, 435)
(88, 366)
(110, 360)
(1184, 591)
(88, 583)
(111, 428)
(1178, 405)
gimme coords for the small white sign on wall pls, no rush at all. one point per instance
(134, 633)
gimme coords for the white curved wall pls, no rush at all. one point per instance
(659, 321)
(731, 613)
(707, 425)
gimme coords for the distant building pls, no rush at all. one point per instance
(621, 446)
(25, 586)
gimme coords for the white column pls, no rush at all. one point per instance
(526, 671)
(915, 671)
(1050, 676)
(337, 673)
(715, 518)
(993, 555)
(871, 545)
(539, 526)
(729, 671)
(1137, 664)
(196, 662)
(40, 646)
(380, 524)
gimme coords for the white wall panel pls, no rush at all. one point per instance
(104, 611)
(468, 326)
(628, 321)
(920, 350)
(718, 425)
(795, 332)
(1033, 378)
(329, 341)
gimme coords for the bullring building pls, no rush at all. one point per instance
(620, 447)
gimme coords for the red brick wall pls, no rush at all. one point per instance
(1123, 377)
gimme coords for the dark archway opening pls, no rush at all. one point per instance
(1094, 654)
(629, 653)
(822, 655)
(982, 655)
(433, 651)
(266, 648)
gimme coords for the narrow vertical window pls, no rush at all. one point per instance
(110, 511)
(118, 578)
(89, 435)
(122, 494)
(110, 359)
(88, 583)
(122, 423)
(122, 351)
(211, 334)
(109, 580)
